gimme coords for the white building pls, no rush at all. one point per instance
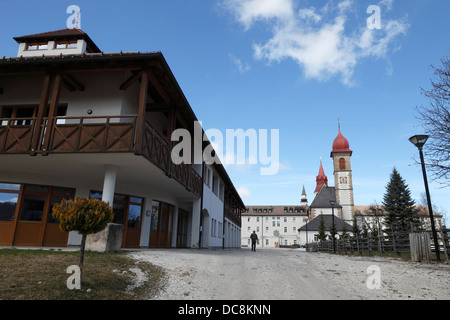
(77, 122)
(275, 225)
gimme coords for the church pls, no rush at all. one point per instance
(295, 225)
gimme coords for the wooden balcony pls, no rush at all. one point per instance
(99, 134)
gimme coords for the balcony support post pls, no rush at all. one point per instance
(36, 133)
(140, 122)
(56, 91)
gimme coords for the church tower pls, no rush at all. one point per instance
(304, 200)
(341, 154)
(321, 179)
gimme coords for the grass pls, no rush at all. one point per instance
(41, 275)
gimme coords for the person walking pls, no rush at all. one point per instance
(254, 238)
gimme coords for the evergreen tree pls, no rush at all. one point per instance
(322, 236)
(355, 228)
(402, 215)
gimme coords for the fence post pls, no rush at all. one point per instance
(420, 246)
(444, 242)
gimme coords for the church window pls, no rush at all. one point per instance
(342, 164)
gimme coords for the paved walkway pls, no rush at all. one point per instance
(287, 274)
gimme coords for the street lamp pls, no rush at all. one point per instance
(332, 202)
(419, 141)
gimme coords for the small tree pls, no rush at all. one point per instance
(322, 236)
(87, 216)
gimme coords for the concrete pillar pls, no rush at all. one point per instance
(109, 184)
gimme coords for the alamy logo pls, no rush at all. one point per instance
(374, 278)
(374, 21)
(74, 281)
(235, 153)
(74, 21)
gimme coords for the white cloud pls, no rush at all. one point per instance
(318, 39)
(241, 66)
(244, 192)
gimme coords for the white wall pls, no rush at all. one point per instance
(286, 226)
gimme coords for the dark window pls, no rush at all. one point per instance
(342, 164)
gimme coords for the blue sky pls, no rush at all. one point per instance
(293, 65)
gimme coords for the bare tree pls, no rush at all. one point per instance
(435, 118)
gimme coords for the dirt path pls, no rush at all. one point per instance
(283, 274)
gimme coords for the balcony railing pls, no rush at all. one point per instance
(93, 135)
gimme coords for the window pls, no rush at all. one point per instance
(248, 228)
(58, 195)
(342, 164)
(257, 229)
(273, 223)
(293, 219)
(267, 242)
(265, 210)
(214, 187)
(267, 228)
(66, 45)
(248, 219)
(285, 219)
(257, 219)
(285, 210)
(9, 194)
(126, 206)
(270, 210)
(294, 229)
(255, 210)
(285, 229)
(37, 46)
(23, 115)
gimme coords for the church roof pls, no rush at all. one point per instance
(323, 198)
(340, 143)
(313, 225)
(321, 179)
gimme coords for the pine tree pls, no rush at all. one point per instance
(402, 215)
(355, 229)
(322, 236)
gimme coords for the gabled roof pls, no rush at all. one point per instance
(313, 225)
(322, 200)
(63, 34)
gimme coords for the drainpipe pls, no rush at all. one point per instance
(201, 209)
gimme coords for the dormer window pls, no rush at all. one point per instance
(66, 45)
(37, 46)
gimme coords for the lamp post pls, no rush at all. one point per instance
(333, 233)
(419, 141)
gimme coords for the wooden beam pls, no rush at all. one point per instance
(56, 91)
(73, 82)
(155, 83)
(130, 80)
(155, 107)
(140, 123)
(42, 106)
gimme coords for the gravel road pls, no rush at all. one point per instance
(288, 274)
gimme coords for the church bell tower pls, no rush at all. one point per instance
(341, 155)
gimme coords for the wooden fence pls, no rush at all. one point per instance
(398, 242)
